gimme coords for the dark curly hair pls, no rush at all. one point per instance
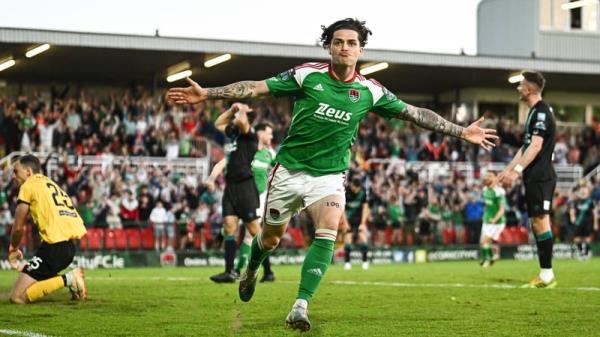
(349, 23)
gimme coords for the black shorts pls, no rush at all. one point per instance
(353, 225)
(424, 227)
(396, 224)
(50, 259)
(584, 230)
(241, 199)
(538, 197)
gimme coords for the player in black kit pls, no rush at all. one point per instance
(240, 199)
(534, 162)
(582, 212)
(356, 216)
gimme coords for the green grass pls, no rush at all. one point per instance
(437, 299)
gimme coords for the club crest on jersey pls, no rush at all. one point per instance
(354, 95)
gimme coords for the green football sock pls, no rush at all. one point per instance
(490, 253)
(243, 255)
(316, 262)
(364, 249)
(257, 253)
(482, 254)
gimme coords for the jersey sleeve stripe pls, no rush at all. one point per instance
(19, 201)
(375, 88)
(306, 69)
(315, 65)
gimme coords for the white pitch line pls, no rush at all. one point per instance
(11, 332)
(426, 285)
(450, 285)
(352, 283)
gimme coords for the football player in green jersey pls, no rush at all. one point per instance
(493, 219)
(330, 101)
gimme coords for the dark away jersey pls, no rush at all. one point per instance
(354, 204)
(240, 152)
(540, 122)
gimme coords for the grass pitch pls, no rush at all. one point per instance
(435, 299)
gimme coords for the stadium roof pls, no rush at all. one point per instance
(113, 58)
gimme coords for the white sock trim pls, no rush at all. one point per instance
(69, 278)
(547, 275)
(301, 303)
(325, 234)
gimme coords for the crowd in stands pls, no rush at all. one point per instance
(185, 213)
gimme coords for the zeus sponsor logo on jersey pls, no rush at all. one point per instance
(325, 111)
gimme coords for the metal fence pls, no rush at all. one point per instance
(567, 175)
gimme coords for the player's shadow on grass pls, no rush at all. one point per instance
(510, 281)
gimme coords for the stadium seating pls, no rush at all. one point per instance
(297, 237)
(134, 238)
(83, 243)
(115, 239)
(95, 238)
(448, 236)
(147, 238)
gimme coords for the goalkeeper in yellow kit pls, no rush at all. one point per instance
(58, 223)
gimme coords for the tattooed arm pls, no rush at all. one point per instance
(428, 119)
(239, 90)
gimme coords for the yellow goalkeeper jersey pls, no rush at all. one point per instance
(51, 209)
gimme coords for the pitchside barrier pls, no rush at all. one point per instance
(567, 175)
(171, 258)
(200, 166)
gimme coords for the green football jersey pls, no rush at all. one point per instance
(326, 116)
(493, 199)
(261, 165)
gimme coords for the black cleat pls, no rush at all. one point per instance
(268, 278)
(247, 285)
(224, 277)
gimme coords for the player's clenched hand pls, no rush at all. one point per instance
(507, 178)
(190, 95)
(240, 107)
(484, 137)
(14, 257)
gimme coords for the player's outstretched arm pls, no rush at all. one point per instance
(239, 90)
(430, 120)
